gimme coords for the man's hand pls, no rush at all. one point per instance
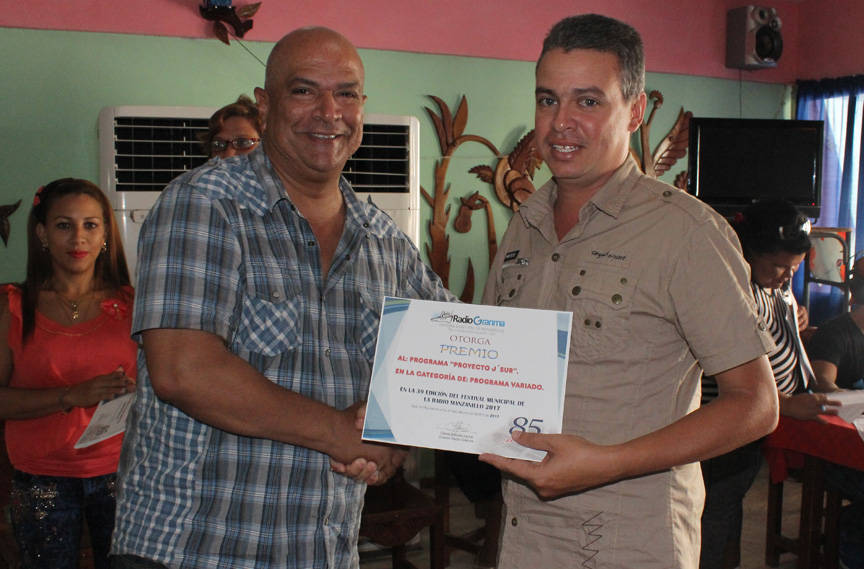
(360, 470)
(376, 463)
(571, 465)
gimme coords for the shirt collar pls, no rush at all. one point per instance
(274, 190)
(356, 214)
(609, 199)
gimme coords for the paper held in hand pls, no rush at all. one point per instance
(851, 404)
(851, 407)
(108, 420)
(463, 377)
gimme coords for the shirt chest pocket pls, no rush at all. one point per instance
(512, 279)
(272, 311)
(601, 301)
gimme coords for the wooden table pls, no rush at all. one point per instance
(809, 445)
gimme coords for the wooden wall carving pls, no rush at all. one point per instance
(673, 146)
(511, 181)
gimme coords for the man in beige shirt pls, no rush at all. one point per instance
(659, 292)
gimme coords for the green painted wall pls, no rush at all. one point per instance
(53, 84)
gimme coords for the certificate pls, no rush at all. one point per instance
(464, 377)
(108, 420)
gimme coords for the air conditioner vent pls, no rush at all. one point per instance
(381, 164)
(143, 152)
(150, 152)
(143, 148)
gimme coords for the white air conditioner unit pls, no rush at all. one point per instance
(143, 148)
(386, 169)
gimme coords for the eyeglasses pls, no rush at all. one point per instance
(237, 143)
(793, 231)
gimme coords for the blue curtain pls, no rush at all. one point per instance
(840, 104)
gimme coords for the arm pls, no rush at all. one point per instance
(826, 376)
(745, 410)
(25, 403)
(195, 372)
(831, 345)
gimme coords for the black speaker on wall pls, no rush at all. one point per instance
(753, 39)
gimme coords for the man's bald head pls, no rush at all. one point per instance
(300, 43)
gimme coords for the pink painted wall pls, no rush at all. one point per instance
(821, 37)
(832, 40)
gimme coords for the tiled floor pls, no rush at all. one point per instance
(752, 543)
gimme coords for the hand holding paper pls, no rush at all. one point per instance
(572, 464)
(108, 420)
(851, 408)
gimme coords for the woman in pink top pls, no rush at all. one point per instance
(64, 347)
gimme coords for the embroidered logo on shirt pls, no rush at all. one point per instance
(608, 255)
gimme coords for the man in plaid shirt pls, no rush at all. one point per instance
(260, 288)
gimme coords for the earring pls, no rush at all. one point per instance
(44, 247)
(104, 246)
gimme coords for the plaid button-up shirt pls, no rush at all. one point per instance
(225, 251)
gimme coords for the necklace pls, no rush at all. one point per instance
(73, 304)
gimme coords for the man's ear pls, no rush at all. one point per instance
(263, 102)
(637, 111)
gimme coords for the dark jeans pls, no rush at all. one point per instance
(727, 478)
(133, 562)
(48, 514)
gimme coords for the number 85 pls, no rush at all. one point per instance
(522, 424)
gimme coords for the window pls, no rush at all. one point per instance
(840, 104)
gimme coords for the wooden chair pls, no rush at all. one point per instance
(819, 522)
(395, 512)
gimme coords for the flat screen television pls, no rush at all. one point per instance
(735, 162)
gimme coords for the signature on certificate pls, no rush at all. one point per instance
(457, 428)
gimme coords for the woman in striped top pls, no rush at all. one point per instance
(775, 237)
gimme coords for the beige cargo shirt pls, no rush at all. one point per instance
(659, 292)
